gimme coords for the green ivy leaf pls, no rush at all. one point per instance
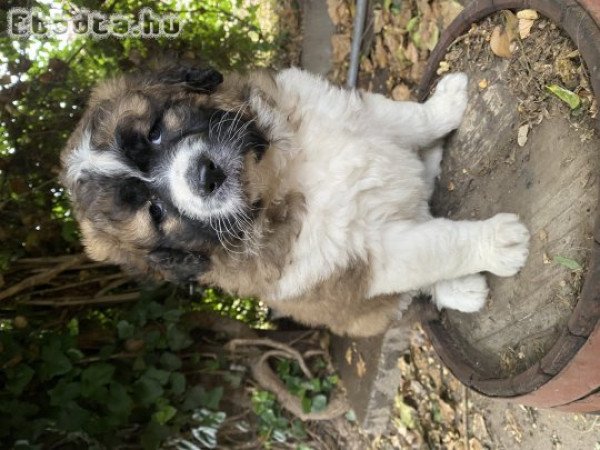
(177, 339)
(64, 392)
(147, 391)
(55, 361)
(118, 401)
(178, 383)
(164, 414)
(170, 361)
(319, 403)
(18, 378)
(198, 396)
(159, 375)
(125, 329)
(306, 403)
(96, 376)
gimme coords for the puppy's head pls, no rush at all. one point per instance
(156, 171)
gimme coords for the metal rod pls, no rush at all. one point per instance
(357, 33)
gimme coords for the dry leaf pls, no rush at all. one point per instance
(340, 46)
(543, 235)
(348, 356)
(338, 11)
(474, 444)
(377, 21)
(529, 14)
(451, 186)
(483, 84)
(513, 426)
(522, 135)
(525, 27)
(500, 43)
(511, 24)
(411, 53)
(380, 53)
(449, 10)
(390, 39)
(443, 67)
(361, 367)
(479, 427)
(546, 259)
(401, 92)
(446, 411)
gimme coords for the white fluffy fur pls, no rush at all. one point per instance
(356, 158)
(84, 160)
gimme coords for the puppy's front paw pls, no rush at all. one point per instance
(466, 294)
(449, 102)
(507, 244)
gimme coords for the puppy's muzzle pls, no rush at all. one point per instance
(210, 176)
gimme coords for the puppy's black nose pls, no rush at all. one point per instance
(211, 176)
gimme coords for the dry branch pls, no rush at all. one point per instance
(42, 277)
(69, 301)
(264, 376)
(289, 351)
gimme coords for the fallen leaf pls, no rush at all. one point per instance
(361, 367)
(340, 46)
(525, 28)
(483, 84)
(543, 235)
(449, 10)
(567, 71)
(568, 263)
(513, 426)
(380, 53)
(348, 356)
(405, 412)
(570, 98)
(545, 258)
(451, 186)
(443, 67)
(338, 11)
(411, 53)
(528, 14)
(377, 21)
(474, 444)
(500, 43)
(479, 427)
(511, 24)
(522, 135)
(401, 92)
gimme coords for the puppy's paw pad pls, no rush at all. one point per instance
(509, 244)
(467, 294)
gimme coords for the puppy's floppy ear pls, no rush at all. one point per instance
(202, 80)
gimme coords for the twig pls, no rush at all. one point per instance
(266, 378)
(289, 351)
(118, 282)
(62, 302)
(41, 278)
(79, 283)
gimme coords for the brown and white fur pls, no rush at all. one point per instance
(320, 205)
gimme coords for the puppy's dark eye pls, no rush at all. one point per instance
(157, 211)
(155, 134)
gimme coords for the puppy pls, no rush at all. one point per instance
(283, 187)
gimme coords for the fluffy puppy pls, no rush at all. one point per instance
(283, 187)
